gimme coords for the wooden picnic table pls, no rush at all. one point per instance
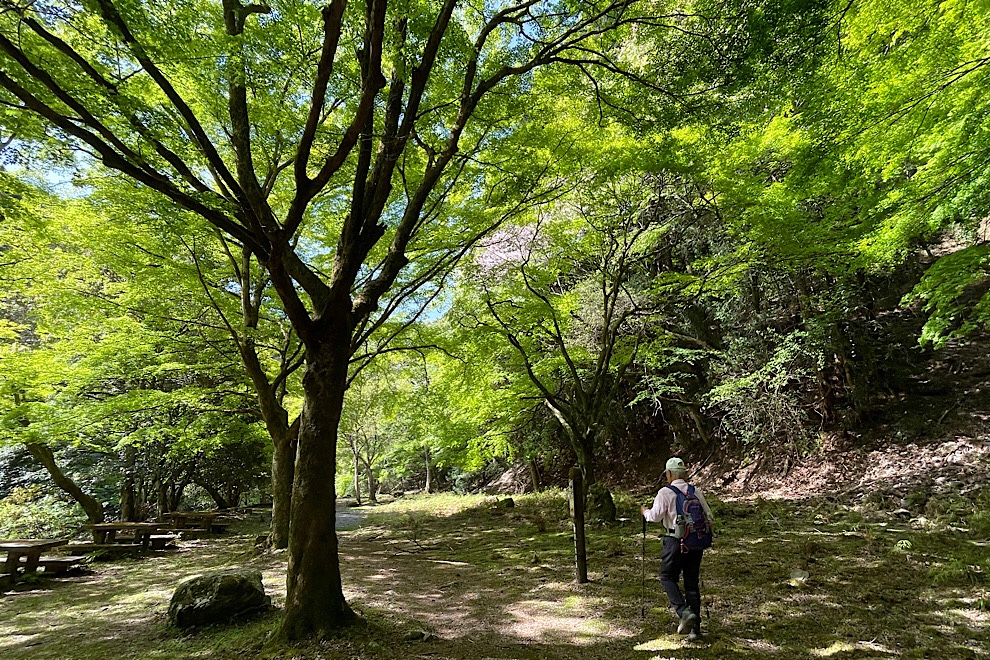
(30, 549)
(192, 519)
(105, 533)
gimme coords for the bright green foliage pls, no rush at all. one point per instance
(956, 294)
(760, 403)
(101, 356)
(830, 163)
(435, 421)
(367, 428)
(572, 300)
(30, 513)
(711, 233)
(876, 150)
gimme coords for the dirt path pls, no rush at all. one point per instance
(349, 518)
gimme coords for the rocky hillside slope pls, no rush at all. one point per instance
(930, 433)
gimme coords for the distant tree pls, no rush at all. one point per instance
(571, 295)
(364, 426)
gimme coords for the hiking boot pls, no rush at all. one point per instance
(693, 636)
(686, 623)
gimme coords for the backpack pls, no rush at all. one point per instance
(691, 518)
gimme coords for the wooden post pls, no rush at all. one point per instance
(576, 497)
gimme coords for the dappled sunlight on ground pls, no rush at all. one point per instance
(847, 647)
(667, 643)
(111, 603)
(554, 622)
(485, 584)
(758, 645)
(468, 599)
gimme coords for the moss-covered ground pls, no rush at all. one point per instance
(459, 577)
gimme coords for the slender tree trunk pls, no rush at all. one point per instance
(234, 496)
(177, 490)
(283, 468)
(218, 498)
(534, 475)
(827, 398)
(128, 501)
(586, 460)
(128, 496)
(699, 425)
(372, 485)
(44, 455)
(143, 499)
(314, 603)
(583, 443)
(429, 471)
(161, 490)
(357, 472)
(756, 298)
(283, 435)
(577, 495)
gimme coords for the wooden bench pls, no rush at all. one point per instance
(57, 565)
(200, 532)
(105, 549)
(6, 581)
(161, 541)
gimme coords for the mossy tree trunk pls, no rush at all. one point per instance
(315, 602)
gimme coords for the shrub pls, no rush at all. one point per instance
(29, 512)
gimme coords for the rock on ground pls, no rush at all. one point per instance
(217, 597)
(514, 481)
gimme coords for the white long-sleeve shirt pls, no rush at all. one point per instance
(665, 505)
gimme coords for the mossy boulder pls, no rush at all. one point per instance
(217, 597)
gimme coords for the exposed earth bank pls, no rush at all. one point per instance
(930, 431)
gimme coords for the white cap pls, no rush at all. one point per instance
(675, 463)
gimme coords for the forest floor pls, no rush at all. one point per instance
(461, 577)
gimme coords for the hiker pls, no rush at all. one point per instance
(677, 557)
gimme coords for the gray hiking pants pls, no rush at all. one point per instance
(673, 563)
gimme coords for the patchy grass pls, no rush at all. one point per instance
(458, 577)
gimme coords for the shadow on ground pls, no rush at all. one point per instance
(458, 578)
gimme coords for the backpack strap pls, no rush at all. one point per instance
(679, 501)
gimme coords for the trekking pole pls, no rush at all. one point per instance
(642, 588)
